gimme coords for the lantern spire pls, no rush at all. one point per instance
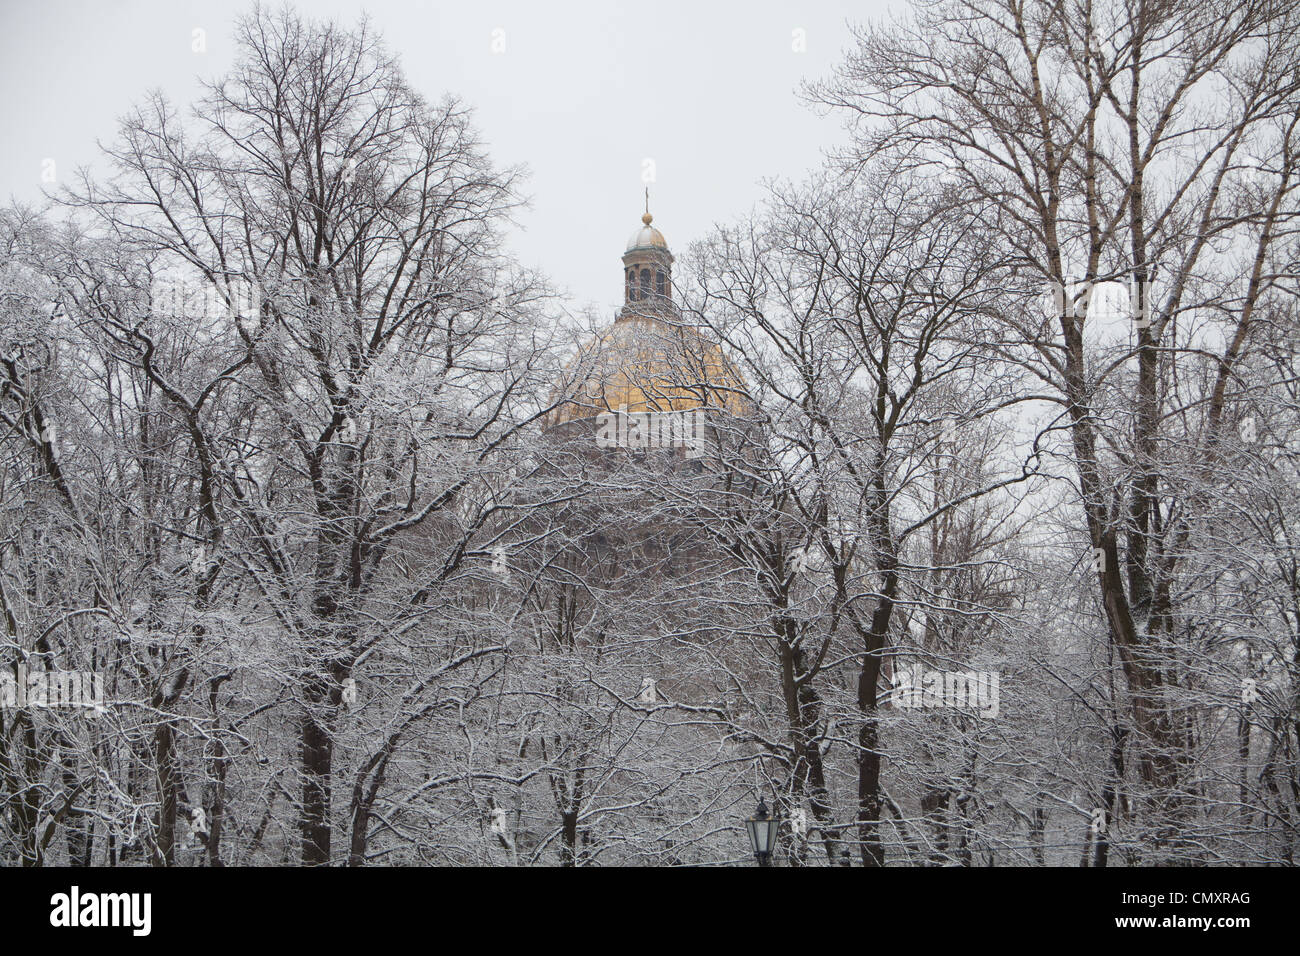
(647, 271)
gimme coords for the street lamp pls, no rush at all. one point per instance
(762, 827)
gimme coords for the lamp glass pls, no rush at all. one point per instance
(762, 829)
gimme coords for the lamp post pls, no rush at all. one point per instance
(762, 827)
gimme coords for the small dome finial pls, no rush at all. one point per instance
(647, 218)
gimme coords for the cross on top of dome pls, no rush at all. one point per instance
(647, 237)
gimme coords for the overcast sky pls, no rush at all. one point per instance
(582, 94)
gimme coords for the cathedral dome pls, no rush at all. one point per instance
(643, 364)
(649, 359)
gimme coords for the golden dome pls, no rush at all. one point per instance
(648, 360)
(643, 364)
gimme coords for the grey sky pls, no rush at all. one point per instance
(582, 94)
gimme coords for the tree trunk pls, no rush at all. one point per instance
(317, 759)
